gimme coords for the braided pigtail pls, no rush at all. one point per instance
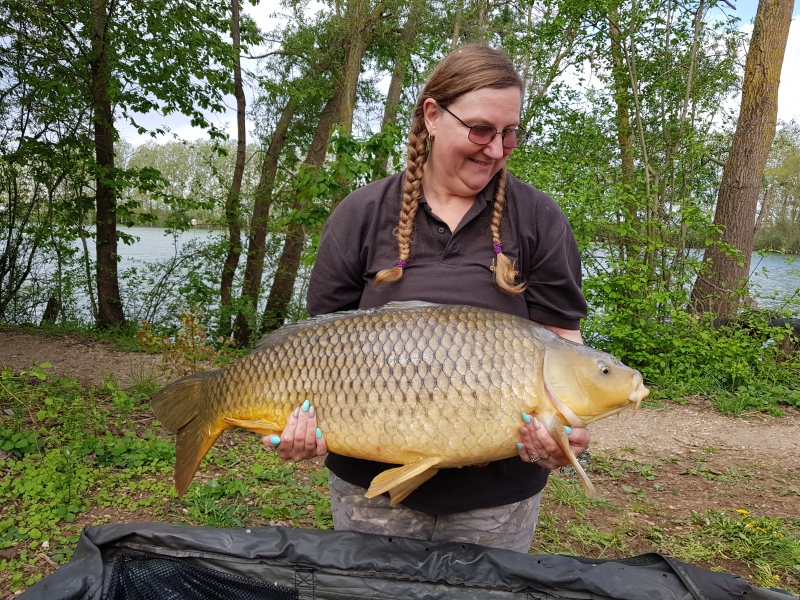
(504, 273)
(412, 189)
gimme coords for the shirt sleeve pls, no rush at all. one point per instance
(553, 292)
(337, 280)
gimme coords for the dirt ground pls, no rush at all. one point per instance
(85, 360)
(703, 460)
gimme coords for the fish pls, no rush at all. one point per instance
(420, 385)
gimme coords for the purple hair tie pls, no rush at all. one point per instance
(401, 264)
(498, 248)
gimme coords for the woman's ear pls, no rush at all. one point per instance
(430, 109)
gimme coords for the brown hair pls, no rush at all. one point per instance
(465, 70)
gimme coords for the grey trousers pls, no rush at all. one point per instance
(510, 526)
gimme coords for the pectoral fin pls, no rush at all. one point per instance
(256, 425)
(401, 481)
(555, 428)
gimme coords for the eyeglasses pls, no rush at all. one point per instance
(483, 134)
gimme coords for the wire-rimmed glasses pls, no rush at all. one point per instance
(483, 134)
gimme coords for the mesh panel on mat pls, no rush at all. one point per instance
(148, 577)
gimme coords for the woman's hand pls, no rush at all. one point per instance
(537, 443)
(301, 439)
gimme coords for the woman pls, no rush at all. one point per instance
(454, 228)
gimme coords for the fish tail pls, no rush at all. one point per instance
(555, 428)
(178, 407)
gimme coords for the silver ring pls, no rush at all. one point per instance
(537, 459)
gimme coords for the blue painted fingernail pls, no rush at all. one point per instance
(319, 433)
(519, 446)
(306, 406)
(568, 429)
(526, 418)
(275, 440)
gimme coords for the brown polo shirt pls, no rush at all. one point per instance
(451, 267)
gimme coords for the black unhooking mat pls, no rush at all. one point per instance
(143, 561)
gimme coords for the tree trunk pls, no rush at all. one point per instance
(256, 243)
(232, 200)
(109, 304)
(724, 280)
(352, 62)
(482, 10)
(407, 37)
(621, 97)
(280, 295)
(621, 79)
(457, 26)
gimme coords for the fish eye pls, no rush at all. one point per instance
(604, 367)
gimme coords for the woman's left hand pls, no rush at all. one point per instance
(537, 443)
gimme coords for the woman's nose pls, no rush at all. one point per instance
(494, 149)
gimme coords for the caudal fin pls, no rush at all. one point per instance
(177, 406)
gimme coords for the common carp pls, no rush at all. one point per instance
(426, 386)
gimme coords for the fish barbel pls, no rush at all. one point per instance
(425, 386)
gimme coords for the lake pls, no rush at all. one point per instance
(769, 274)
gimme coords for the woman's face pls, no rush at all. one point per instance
(457, 164)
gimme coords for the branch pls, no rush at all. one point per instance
(276, 53)
(717, 161)
(763, 212)
(687, 98)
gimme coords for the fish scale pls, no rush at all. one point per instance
(420, 385)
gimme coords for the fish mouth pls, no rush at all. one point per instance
(639, 393)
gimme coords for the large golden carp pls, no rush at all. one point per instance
(426, 386)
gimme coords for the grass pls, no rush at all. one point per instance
(72, 456)
(769, 546)
(763, 548)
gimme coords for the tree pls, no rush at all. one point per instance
(404, 50)
(313, 49)
(282, 288)
(122, 59)
(723, 282)
(232, 200)
(781, 214)
(109, 303)
(43, 141)
(256, 241)
(358, 25)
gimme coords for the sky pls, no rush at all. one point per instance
(267, 15)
